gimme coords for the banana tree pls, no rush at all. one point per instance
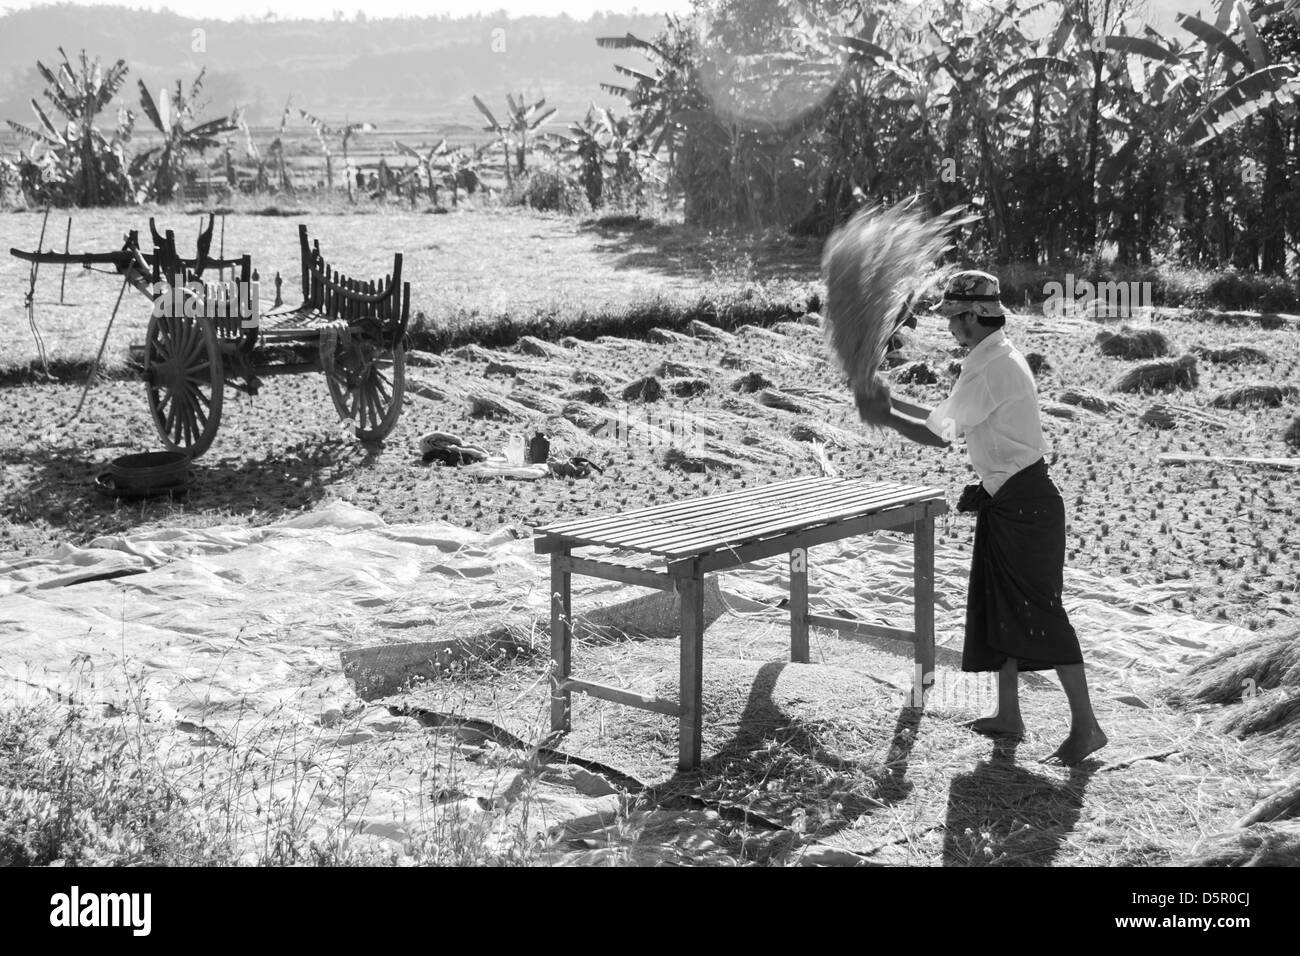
(523, 118)
(580, 145)
(77, 163)
(170, 116)
(667, 86)
(275, 154)
(1249, 85)
(345, 133)
(426, 162)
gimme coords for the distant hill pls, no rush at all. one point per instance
(406, 72)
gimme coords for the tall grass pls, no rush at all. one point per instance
(85, 786)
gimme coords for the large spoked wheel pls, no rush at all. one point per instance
(184, 381)
(367, 383)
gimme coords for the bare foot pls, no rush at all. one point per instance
(997, 726)
(1077, 746)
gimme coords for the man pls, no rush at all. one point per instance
(1015, 620)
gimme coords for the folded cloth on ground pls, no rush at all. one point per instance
(500, 467)
(455, 455)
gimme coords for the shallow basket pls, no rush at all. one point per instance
(151, 469)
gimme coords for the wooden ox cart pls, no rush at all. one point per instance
(352, 330)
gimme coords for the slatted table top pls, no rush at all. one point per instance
(702, 525)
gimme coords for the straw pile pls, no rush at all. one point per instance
(751, 382)
(1259, 684)
(916, 373)
(872, 265)
(1169, 415)
(671, 369)
(702, 330)
(1235, 354)
(1160, 416)
(1256, 394)
(688, 387)
(531, 345)
(1164, 375)
(1259, 680)
(1269, 660)
(645, 389)
(1084, 399)
(1057, 410)
(592, 395)
(484, 404)
(1268, 844)
(774, 398)
(1132, 343)
(1281, 804)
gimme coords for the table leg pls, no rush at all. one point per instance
(799, 605)
(691, 593)
(923, 596)
(561, 642)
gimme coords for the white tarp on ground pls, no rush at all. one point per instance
(230, 621)
(232, 636)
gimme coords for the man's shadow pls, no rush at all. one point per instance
(1003, 814)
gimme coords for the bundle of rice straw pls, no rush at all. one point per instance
(1085, 399)
(1164, 375)
(1133, 343)
(1237, 353)
(874, 265)
(1255, 393)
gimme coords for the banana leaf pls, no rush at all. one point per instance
(1213, 38)
(1243, 99)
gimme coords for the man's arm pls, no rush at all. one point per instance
(914, 430)
(878, 408)
(907, 408)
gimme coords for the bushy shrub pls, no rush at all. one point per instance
(550, 190)
(1237, 290)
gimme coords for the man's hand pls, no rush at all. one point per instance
(873, 402)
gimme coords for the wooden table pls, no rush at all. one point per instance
(721, 532)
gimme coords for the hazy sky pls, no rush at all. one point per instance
(296, 9)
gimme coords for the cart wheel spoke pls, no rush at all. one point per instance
(363, 400)
(197, 403)
(363, 405)
(178, 421)
(169, 422)
(181, 334)
(183, 418)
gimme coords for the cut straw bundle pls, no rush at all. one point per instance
(873, 266)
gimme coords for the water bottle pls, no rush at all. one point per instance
(515, 450)
(539, 449)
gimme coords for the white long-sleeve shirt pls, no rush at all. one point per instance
(994, 405)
